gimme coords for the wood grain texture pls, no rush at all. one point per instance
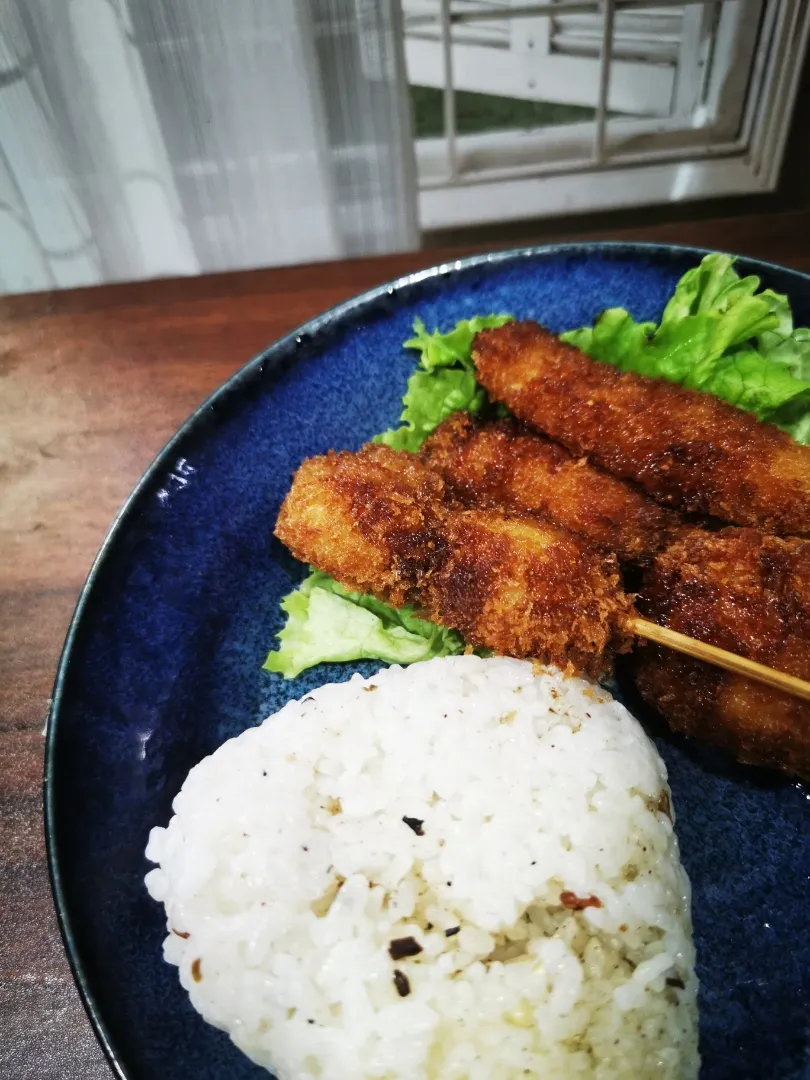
(92, 384)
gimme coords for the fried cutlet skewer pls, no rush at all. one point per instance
(377, 521)
(684, 448)
(504, 464)
(748, 592)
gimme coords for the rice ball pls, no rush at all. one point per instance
(463, 869)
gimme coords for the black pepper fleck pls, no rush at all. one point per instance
(452, 931)
(401, 983)
(399, 948)
(416, 824)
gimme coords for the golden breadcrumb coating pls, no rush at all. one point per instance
(377, 522)
(750, 593)
(504, 464)
(684, 448)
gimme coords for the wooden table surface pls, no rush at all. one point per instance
(92, 383)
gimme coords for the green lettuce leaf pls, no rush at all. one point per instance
(784, 344)
(455, 347)
(430, 398)
(615, 337)
(327, 623)
(720, 335)
(443, 383)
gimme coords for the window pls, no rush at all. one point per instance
(524, 109)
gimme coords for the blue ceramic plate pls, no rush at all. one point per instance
(164, 657)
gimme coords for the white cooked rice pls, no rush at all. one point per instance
(288, 870)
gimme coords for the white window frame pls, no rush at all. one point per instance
(518, 58)
(508, 176)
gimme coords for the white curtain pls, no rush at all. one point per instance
(145, 138)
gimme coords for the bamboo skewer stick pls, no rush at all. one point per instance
(662, 635)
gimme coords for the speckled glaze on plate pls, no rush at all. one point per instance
(163, 662)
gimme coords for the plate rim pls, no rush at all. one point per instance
(275, 350)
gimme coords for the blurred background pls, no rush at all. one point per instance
(146, 138)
